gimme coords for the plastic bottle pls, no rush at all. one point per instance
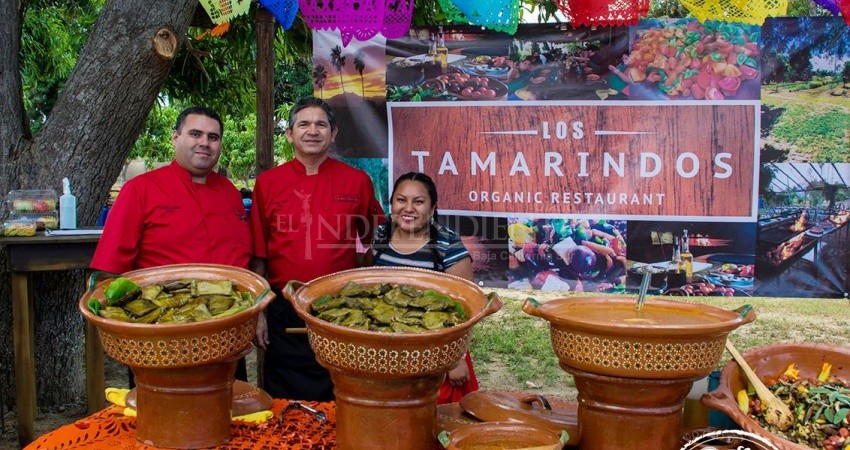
(67, 207)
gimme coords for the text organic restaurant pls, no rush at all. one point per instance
(583, 158)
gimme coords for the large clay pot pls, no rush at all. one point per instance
(770, 362)
(633, 369)
(184, 372)
(386, 384)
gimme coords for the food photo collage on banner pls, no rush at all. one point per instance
(714, 155)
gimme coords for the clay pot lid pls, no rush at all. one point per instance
(247, 399)
(450, 416)
(521, 407)
(513, 435)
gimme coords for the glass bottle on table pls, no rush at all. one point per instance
(432, 62)
(676, 276)
(687, 256)
(442, 50)
(432, 49)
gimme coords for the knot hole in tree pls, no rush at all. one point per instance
(165, 43)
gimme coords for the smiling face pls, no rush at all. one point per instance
(412, 207)
(197, 145)
(311, 133)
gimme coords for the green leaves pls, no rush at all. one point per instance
(118, 288)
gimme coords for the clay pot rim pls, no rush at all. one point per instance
(732, 322)
(501, 428)
(723, 399)
(216, 272)
(314, 322)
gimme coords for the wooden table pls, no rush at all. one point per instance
(42, 253)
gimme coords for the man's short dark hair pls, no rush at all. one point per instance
(309, 102)
(200, 110)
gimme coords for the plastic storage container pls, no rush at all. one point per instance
(33, 200)
(19, 227)
(43, 220)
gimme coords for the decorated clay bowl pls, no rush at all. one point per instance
(503, 435)
(605, 335)
(184, 372)
(389, 355)
(386, 384)
(181, 344)
(769, 362)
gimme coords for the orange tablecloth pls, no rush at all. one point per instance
(109, 429)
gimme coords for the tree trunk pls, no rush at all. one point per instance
(87, 137)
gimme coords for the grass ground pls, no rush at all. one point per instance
(814, 120)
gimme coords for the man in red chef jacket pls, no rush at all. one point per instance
(306, 217)
(180, 213)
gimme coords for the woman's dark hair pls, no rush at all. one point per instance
(382, 240)
(310, 102)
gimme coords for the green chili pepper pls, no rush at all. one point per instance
(716, 56)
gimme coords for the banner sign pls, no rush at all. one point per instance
(713, 155)
(617, 160)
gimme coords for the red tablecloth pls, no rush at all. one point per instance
(109, 429)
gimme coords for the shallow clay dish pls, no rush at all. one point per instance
(450, 416)
(504, 435)
(770, 362)
(518, 407)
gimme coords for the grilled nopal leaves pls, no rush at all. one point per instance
(390, 308)
(178, 301)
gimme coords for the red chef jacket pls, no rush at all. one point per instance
(307, 226)
(163, 217)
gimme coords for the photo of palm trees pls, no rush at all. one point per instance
(351, 79)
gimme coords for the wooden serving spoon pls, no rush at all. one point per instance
(776, 412)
